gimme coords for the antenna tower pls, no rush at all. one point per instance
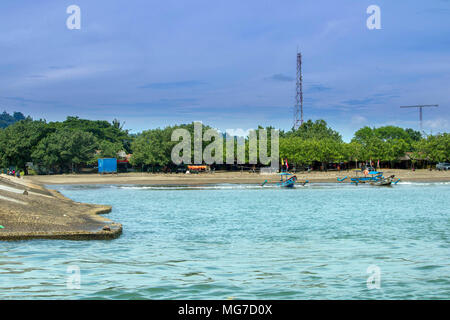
(298, 111)
(420, 111)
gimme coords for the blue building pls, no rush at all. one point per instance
(107, 165)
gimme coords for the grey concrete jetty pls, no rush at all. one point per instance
(30, 211)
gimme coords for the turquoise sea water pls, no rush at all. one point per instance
(247, 242)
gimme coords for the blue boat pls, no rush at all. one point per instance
(371, 177)
(375, 178)
(287, 180)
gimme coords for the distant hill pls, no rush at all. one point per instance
(6, 119)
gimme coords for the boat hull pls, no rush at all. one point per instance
(289, 183)
(381, 183)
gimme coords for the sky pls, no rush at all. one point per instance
(230, 64)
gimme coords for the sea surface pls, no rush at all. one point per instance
(246, 242)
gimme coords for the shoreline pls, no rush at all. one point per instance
(223, 178)
(30, 210)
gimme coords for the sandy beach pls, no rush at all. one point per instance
(222, 177)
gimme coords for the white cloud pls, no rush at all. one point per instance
(358, 120)
(238, 132)
(61, 74)
(437, 124)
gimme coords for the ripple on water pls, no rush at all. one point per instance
(246, 242)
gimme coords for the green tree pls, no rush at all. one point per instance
(386, 143)
(434, 148)
(102, 130)
(371, 143)
(65, 149)
(315, 130)
(296, 150)
(108, 149)
(17, 142)
(413, 135)
(352, 151)
(328, 150)
(304, 152)
(152, 147)
(394, 149)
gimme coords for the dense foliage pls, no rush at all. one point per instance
(433, 148)
(61, 146)
(71, 144)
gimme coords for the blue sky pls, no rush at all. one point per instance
(230, 64)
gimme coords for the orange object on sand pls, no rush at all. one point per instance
(196, 167)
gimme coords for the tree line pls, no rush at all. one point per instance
(71, 144)
(61, 146)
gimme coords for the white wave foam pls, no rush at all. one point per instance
(205, 187)
(424, 183)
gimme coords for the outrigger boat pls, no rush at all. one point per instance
(287, 180)
(374, 178)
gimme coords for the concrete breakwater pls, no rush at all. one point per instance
(30, 211)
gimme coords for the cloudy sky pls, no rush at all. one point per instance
(230, 64)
